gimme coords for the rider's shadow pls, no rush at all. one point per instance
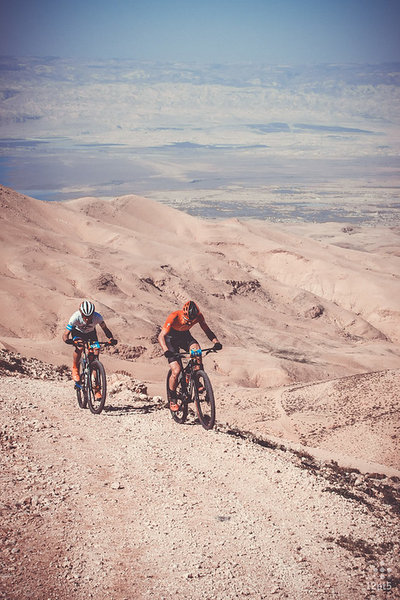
(141, 408)
(146, 409)
(192, 419)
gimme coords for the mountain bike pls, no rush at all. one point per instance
(92, 388)
(195, 386)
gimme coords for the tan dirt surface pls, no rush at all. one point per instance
(130, 505)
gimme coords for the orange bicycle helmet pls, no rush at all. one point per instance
(190, 310)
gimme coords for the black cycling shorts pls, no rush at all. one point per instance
(90, 336)
(179, 340)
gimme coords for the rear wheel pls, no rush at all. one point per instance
(97, 388)
(181, 414)
(80, 390)
(204, 399)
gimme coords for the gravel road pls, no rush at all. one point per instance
(130, 505)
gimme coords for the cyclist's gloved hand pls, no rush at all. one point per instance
(113, 342)
(69, 341)
(217, 346)
(169, 354)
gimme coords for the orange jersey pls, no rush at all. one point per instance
(176, 322)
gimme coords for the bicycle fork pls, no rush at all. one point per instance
(81, 385)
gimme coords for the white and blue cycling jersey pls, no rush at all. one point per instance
(77, 322)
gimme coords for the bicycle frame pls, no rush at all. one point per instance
(190, 367)
(194, 386)
(92, 388)
(88, 348)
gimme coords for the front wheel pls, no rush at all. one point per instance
(204, 399)
(180, 415)
(97, 388)
(81, 390)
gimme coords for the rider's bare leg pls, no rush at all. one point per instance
(175, 370)
(76, 357)
(198, 359)
(93, 354)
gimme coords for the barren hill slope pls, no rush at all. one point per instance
(291, 304)
(305, 308)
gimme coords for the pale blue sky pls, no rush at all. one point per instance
(268, 31)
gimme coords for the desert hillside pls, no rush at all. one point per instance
(294, 494)
(293, 304)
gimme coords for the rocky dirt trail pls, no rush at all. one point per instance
(130, 505)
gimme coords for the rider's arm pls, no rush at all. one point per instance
(210, 334)
(69, 327)
(166, 328)
(106, 330)
(161, 339)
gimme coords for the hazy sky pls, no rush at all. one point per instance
(269, 31)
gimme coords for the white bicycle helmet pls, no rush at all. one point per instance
(86, 308)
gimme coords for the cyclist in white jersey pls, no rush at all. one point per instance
(82, 325)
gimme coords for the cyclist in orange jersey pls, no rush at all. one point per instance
(175, 335)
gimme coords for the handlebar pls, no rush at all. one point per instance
(97, 345)
(196, 353)
(92, 345)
